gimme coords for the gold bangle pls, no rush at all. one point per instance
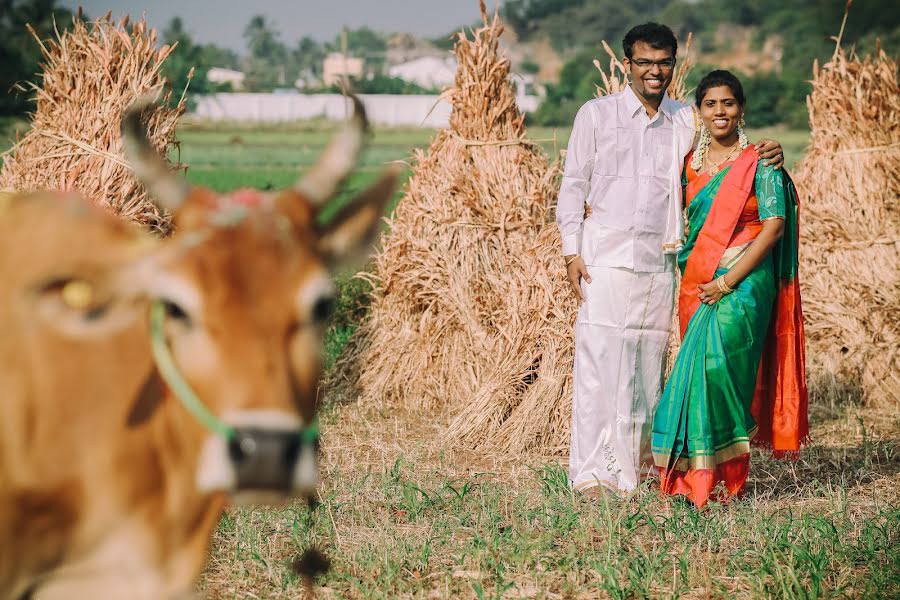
(723, 285)
(571, 260)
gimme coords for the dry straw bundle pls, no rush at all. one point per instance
(849, 183)
(471, 311)
(91, 74)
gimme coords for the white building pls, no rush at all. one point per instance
(337, 67)
(428, 71)
(219, 76)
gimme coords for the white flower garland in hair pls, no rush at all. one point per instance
(702, 147)
(703, 144)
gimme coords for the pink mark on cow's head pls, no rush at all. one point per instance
(248, 197)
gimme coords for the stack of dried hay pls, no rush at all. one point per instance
(471, 311)
(91, 74)
(849, 183)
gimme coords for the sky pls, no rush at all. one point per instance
(222, 22)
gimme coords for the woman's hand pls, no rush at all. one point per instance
(709, 293)
(576, 271)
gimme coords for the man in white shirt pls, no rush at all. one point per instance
(624, 161)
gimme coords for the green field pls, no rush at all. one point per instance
(403, 516)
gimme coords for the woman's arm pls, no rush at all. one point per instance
(772, 231)
(769, 188)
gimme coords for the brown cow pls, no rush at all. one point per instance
(122, 439)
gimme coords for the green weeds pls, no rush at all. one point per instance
(409, 530)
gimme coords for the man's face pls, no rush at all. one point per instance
(650, 70)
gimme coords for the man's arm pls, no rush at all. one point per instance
(771, 152)
(573, 193)
(768, 150)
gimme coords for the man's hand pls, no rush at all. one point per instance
(577, 271)
(770, 151)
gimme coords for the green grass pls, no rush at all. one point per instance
(402, 517)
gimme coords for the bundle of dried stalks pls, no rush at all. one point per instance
(91, 74)
(471, 311)
(849, 184)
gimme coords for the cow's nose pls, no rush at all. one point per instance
(264, 458)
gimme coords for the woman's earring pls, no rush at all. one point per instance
(743, 142)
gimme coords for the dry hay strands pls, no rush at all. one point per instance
(91, 73)
(849, 184)
(470, 308)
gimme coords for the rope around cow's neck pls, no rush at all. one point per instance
(165, 362)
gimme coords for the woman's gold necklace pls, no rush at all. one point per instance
(713, 167)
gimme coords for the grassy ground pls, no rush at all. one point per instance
(404, 516)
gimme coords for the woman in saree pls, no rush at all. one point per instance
(739, 375)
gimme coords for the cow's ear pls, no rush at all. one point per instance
(348, 237)
(82, 306)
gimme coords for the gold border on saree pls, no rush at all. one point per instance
(731, 450)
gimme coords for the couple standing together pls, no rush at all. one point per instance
(637, 159)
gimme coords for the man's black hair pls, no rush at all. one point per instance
(720, 78)
(658, 37)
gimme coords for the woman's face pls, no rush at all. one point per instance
(721, 112)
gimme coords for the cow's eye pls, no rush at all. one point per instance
(175, 312)
(322, 309)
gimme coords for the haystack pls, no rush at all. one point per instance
(90, 75)
(849, 184)
(470, 309)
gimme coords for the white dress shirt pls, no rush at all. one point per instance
(627, 165)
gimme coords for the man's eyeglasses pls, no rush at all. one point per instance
(665, 65)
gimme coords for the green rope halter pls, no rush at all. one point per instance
(165, 362)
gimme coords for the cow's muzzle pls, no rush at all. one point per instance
(266, 459)
(267, 456)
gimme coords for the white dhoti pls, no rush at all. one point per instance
(621, 336)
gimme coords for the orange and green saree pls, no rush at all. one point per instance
(740, 374)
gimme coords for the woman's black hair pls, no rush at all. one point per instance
(658, 37)
(720, 78)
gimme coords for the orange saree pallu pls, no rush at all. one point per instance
(740, 373)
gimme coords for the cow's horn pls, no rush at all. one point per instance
(167, 189)
(337, 161)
